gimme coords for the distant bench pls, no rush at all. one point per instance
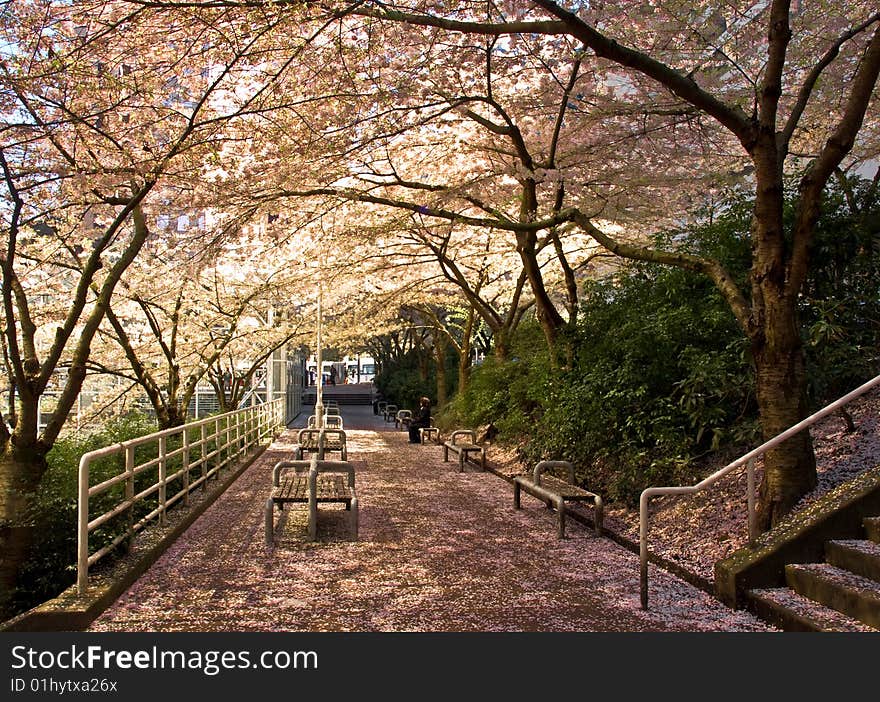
(458, 444)
(329, 421)
(429, 432)
(556, 492)
(402, 419)
(320, 441)
(311, 482)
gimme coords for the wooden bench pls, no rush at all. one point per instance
(311, 482)
(463, 448)
(320, 441)
(430, 432)
(330, 421)
(402, 419)
(555, 492)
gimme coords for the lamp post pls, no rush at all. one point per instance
(319, 400)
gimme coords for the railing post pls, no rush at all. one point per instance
(129, 490)
(185, 465)
(82, 515)
(163, 475)
(203, 434)
(753, 521)
(643, 550)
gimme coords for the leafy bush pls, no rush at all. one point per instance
(840, 307)
(508, 393)
(51, 566)
(660, 376)
(403, 384)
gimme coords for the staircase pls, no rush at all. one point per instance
(842, 594)
(354, 394)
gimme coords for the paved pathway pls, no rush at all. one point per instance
(438, 550)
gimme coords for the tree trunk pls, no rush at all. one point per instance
(440, 346)
(20, 475)
(789, 469)
(545, 311)
(176, 417)
(502, 344)
(464, 356)
(777, 350)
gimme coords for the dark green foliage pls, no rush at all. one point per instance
(507, 394)
(840, 308)
(661, 374)
(51, 566)
(403, 384)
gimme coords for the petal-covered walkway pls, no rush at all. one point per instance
(438, 550)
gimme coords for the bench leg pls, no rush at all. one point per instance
(598, 511)
(560, 508)
(445, 453)
(461, 456)
(354, 517)
(269, 528)
(313, 520)
(516, 495)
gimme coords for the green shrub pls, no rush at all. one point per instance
(402, 384)
(661, 373)
(51, 566)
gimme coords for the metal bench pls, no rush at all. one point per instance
(402, 419)
(311, 482)
(320, 441)
(330, 421)
(430, 432)
(555, 492)
(463, 448)
(390, 413)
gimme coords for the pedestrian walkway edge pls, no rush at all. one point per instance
(71, 611)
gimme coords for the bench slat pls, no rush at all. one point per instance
(329, 488)
(567, 490)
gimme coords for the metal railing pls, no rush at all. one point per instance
(145, 470)
(748, 460)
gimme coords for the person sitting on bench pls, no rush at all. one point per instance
(422, 418)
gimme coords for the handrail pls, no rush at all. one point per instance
(748, 459)
(233, 434)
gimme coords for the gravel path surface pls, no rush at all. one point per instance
(438, 550)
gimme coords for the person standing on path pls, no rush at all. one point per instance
(420, 421)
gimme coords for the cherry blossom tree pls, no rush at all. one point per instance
(668, 100)
(176, 325)
(783, 89)
(92, 124)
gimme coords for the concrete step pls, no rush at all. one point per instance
(853, 595)
(341, 398)
(789, 611)
(872, 528)
(859, 556)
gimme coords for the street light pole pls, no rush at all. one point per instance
(319, 400)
